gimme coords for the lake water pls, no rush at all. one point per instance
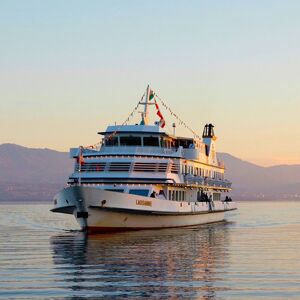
(255, 254)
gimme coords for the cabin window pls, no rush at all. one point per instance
(151, 141)
(216, 196)
(130, 141)
(174, 168)
(115, 190)
(112, 141)
(139, 192)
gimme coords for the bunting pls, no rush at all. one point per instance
(162, 122)
(177, 118)
(152, 95)
(80, 159)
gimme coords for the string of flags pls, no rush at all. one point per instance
(176, 117)
(126, 121)
(162, 123)
(96, 146)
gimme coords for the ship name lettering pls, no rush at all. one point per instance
(143, 202)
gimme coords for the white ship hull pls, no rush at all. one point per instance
(101, 210)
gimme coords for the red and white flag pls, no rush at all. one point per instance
(80, 159)
(162, 121)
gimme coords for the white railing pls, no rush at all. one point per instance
(190, 179)
(139, 150)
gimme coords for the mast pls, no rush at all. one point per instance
(145, 114)
(79, 166)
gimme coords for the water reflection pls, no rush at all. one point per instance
(189, 262)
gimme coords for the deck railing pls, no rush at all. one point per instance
(190, 179)
(139, 150)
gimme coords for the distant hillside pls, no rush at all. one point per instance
(251, 181)
(31, 174)
(37, 174)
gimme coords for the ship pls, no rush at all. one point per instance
(140, 176)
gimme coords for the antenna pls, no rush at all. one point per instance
(174, 126)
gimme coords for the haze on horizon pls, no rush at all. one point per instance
(70, 68)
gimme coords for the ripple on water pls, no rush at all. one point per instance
(254, 255)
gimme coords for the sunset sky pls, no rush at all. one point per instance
(70, 68)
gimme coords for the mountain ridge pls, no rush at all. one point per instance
(38, 173)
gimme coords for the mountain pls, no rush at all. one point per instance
(31, 174)
(252, 182)
(37, 174)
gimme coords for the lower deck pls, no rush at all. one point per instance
(173, 192)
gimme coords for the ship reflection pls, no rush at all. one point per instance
(176, 263)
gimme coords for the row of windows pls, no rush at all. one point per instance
(139, 192)
(151, 141)
(176, 195)
(126, 166)
(148, 167)
(201, 172)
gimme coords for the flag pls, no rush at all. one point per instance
(151, 95)
(162, 122)
(80, 159)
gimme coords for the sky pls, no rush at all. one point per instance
(70, 68)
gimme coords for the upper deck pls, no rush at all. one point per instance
(150, 140)
(137, 128)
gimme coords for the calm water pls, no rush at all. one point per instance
(254, 255)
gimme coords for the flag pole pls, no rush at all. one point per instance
(79, 167)
(146, 113)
